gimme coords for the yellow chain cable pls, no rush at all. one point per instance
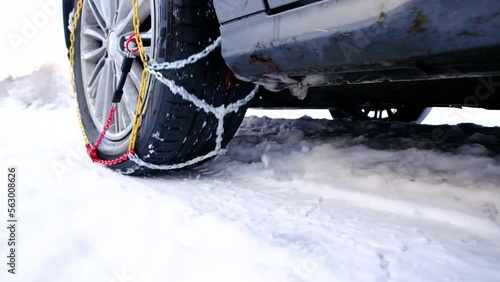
(72, 38)
(145, 77)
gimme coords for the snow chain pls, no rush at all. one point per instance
(153, 68)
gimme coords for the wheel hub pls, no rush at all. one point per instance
(105, 25)
(113, 45)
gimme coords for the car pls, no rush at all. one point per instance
(208, 61)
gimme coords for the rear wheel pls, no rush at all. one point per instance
(399, 114)
(173, 130)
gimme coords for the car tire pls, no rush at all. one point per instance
(173, 130)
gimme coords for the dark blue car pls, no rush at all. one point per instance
(361, 59)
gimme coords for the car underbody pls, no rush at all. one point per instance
(370, 52)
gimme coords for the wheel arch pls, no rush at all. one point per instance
(67, 7)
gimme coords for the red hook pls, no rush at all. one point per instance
(131, 39)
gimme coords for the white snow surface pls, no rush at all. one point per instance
(292, 200)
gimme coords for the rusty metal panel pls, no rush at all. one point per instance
(232, 9)
(335, 36)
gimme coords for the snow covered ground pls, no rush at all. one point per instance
(292, 200)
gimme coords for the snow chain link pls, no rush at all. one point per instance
(154, 68)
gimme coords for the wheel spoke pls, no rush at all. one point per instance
(147, 50)
(123, 117)
(105, 8)
(94, 33)
(94, 76)
(130, 99)
(118, 67)
(98, 12)
(147, 35)
(124, 9)
(116, 119)
(105, 91)
(110, 7)
(124, 25)
(93, 89)
(94, 55)
(136, 74)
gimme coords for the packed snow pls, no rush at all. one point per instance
(292, 200)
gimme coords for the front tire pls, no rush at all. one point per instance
(173, 130)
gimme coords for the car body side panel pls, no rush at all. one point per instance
(278, 3)
(339, 36)
(228, 10)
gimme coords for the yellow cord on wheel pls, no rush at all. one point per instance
(144, 80)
